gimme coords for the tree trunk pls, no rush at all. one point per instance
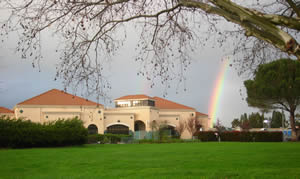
(292, 121)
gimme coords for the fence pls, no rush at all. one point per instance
(138, 135)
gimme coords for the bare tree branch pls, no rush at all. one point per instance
(92, 31)
(294, 6)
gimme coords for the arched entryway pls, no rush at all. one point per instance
(139, 130)
(139, 126)
(170, 131)
(92, 129)
(118, 129)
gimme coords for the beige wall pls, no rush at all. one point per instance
(47, 113)
(11, 115)
(174, 116)
(205, 121)
(126, 119)
(91, 115)
(128, 115)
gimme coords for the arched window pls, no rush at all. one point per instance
(92, 129)
(118, 129)
(139, 126)
(170, 130)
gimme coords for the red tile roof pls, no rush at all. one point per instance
(5, 110)
(200, 114)
(58, 97)
(166, 104)
(139, 96)
(161, 103)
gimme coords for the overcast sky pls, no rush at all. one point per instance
(19, 81)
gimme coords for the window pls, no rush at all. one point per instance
(21, 111)
(92, 129)
(46, 117)
(123, 104)
(118, 129)
(99, 111)
(151, 103)
(139, 126)
(137, 103)
(143, 103)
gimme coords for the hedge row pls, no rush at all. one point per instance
(206, 136)
(107, 138)
(18, 133)
(154, 141)
(261, 136)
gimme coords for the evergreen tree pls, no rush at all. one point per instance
(277, 120)
(256, 120)
(276, 85)
(235, 123)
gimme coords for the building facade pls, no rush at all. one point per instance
(131, 113)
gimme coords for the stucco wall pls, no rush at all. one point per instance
(11, 115)
(89, 114)
(93, 115)
(204, 120)
(32, 113)
(174, 116)
(121, 119)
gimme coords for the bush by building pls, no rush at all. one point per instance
(243, 136)
(170, 140)
(19, 133)
(108, 138)
(206, 136)
(263, 136)
(237, 136)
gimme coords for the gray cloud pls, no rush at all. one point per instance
(20, 81)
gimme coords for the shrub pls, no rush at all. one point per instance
(206, 136)
(94, 138)
(236, 136)
(261, 136)
(231, 136)
(246, 136)
(106, 138)
(19, 133)
(153, 141)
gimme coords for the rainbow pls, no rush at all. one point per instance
(214, 105)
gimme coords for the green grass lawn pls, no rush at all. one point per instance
(180, 160)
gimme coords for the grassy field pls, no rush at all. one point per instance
(189, 160)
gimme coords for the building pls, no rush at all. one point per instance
(56, 104)
(131, 113)
(6, 112)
